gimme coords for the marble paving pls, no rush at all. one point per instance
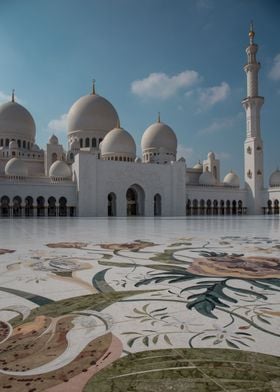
(146, 305)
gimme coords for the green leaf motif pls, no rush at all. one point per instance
(263, 319)
(155, 339)
(166, 338)
(231, 344)
(130, 342)
(146, 341)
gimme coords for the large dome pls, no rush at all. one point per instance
(207, 178)
(92, 113)
(15, 167)
(60, 170)
(16, 122)
(232, 179)
(118, 143)
(159, 136)
(274, 179)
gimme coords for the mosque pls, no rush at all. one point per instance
(100, 174)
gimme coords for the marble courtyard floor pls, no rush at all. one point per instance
(116, 305)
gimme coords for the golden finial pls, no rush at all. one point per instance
(13, 95)
(118, 125)
(251, 32)
(158, 119)
(93, 86)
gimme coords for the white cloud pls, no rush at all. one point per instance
(223, 155)
(274, 73)
(211, 95)
(185, 152)
(221, 124)
(58, 124)
(160, 85)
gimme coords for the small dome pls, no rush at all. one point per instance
(90, 113)
(35, 147)
(232, 179)
(13, 145)
(159, 135)
(182, 159)
(274, 179)
(118, 142)
(207, 178)
(53, 139)
(15, 167)
(74, 144)
(211, 155)
(16, 122)
(60, 170)
(198, 166)
(138, 160)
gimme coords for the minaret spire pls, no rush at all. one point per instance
(93, 86)
(251, 33)
(13, 95)
(253, 145)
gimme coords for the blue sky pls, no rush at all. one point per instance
(183, 58)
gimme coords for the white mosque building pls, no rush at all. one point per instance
(100, 174)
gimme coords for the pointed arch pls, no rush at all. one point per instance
(157, 204)
(135, 200)
(112, 204)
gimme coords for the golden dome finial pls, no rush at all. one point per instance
(118, 125)
(158, 119)
(251, 32)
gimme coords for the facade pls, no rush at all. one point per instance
(100, 174)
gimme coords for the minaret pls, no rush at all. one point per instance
(253, 145)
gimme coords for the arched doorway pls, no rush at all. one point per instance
(135, 199)
(234, 209)
(62, 209)
(40, 206)
(112, 207)
(269, 207)
(208, 207)
(28, 206)
(201, 207)
(157, 205)
(51, 206)
(5, 206)
(276, 207)
(240, 207)
(215, 207)
(228, 209)
(222, 207)
(17, 206)
(195, 207)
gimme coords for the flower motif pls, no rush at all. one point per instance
(220, 335)
(75, 245)
(132, 246)
(250, 267)
(56, 265)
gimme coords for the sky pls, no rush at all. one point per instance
(182, 58)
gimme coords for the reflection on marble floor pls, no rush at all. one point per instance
(193, 303)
